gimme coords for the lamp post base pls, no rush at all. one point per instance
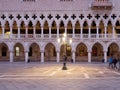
(64, 66)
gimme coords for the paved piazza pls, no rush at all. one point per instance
(36, 76)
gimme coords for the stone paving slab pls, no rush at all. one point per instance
(33, 76)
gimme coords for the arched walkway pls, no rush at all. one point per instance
(81, 53)
(113, 49)
(19, 54)
(34, 53)
(97, 53)
(4, 52)
(65, 50)
(50, 53)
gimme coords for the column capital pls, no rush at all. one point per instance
(11, 51)
(58, 51)
(89, 50)
(26, 51)
(42, 51)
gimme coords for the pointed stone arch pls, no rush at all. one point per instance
(53, 28)
(101, 27)
(38, 27)
(81, 52)
(85, 27)
(15, 27)
(46, 27)
(65, 49)
(93, 27)
(22, 27)
(109, 28)
(34, 52)
(19, 50)
(61, 27)
(4, 52)
(69, 27)
(7, 29)
(77, 27)
(97, 52)
(30, 27)
(113, 48)
(117, 27)
(50, 52)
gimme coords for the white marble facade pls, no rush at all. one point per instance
(29, 30)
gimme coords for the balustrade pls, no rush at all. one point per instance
(54, 36)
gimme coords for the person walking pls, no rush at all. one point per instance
(114, 63)
(110, 62)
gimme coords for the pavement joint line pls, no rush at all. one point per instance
(86, 76)
(61, 78)
(20, 75)
(52, 73)
(116, 72)
(101, 72)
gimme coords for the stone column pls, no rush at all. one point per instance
(89, 35)
(34, 31)
(89, 56)
(49, 31)
(3, 32)
(58, 56)
(66, 29)
(42, 36)
(11, 56)
(26, 31)
(105, 32)
(97, 31)
(18, 32)
(42, 56)
(105, 56)
(11, 32)
(113, 32)
(26, 56)
(81, 32)
(73, 32)
(73, 56)
(57, 31)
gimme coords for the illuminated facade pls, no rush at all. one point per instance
(29, 29)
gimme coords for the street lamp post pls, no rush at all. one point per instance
(64, 40)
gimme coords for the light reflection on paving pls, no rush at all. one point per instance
(55, 72)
